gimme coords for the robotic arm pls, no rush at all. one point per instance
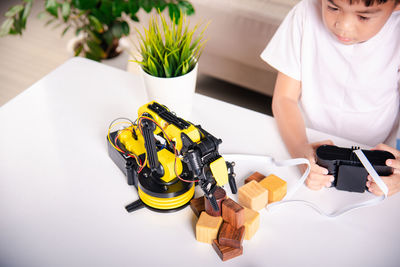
(206, 164)
(176, 154)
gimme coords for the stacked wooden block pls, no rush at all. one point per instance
(227, 228)
(258, 191)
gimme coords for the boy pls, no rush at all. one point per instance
(338, 72)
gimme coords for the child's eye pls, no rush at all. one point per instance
(332, 8)
(363, 18)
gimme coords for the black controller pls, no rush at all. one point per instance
(344, 165)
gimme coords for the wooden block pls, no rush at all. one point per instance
(253, 196)
(226, 253)
(232, 213)
(207, 228)
(256, 176)
(251, 222)
(276, 187)
(220, 195)
(230, 236)
(197, 205)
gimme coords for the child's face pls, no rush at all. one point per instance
(355, 23)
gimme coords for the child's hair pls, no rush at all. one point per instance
(372, 2)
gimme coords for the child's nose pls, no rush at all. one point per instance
(344, 23)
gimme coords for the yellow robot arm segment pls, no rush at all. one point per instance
(131, 144)
(175, 134)
(167, 160)
(219, 171)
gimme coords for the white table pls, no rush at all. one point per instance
(62, 198)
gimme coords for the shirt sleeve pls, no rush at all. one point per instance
(283, 51)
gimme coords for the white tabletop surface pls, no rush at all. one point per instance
(62, 198)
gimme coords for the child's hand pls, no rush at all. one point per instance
(318, 177)
(392, 181)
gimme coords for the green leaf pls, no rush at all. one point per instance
(17, 26)
(65, 30)
(96, 24)
(65, 10)
(186, 7)
(78, 31)
(95, 49)
(14, 11)
(174, 12)
(125, 28)
(92, 56)
(41, 15)
(169, 49)
(104, 13)
(118, 6)
(134, 18)
(85, 4)
(152, 67)
(51, 7)
(108, 37)
(95, 36)
(116, 30)
(78, 49)
(26, 12)
(50, 21)
(147, 5)
(6, 27)
(160, 5)
(167, 68)
(133, 6)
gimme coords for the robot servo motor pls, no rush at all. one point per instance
(165, 156)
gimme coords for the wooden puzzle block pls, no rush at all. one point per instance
(232, 213)
(226, 253)
(253, 196)
(197, 205)
(207, 228)
(276, 187)
(220, 195)
(230, 236)
(251, 222)
(256, 176)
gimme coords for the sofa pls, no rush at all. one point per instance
(238, 33)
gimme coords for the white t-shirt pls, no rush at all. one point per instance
(349, 91)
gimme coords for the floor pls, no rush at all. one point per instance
(27, 58)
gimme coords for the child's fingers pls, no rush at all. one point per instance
(318, 144)
(374, 189)
(392, 182)
(385, 147)
(317, 181)
(318, 178)
(393, 163)
(318, 169)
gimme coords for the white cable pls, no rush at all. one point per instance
(298, 161)
(271, 161)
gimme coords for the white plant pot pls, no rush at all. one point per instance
(176, 93)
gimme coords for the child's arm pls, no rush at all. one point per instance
(392, 181)
(293, 131)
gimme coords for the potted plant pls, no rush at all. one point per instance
(101, 23)
(170, 51)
